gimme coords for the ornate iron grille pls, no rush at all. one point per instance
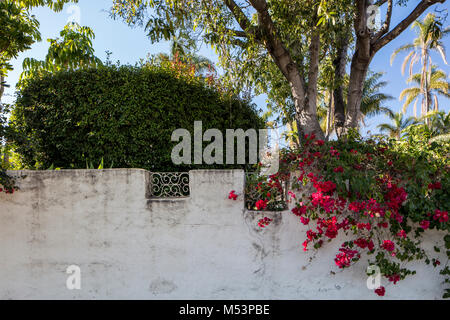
(169, 184)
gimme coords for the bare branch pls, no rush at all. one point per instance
(387, 23)
(380, 3)
(394, 33)
(279, 53)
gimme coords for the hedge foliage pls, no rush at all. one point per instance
(123, 114)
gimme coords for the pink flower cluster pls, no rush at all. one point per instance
(232, 195)
(264, 222)
(442, 216)
(345, 257)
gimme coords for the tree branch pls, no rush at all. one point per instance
(238, 33)
(386, 25)
(239, 15)
(380, 3)
(272, 41)
(394, 33)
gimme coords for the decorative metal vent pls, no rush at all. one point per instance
(169, 184)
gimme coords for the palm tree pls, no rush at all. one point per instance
(184, 49)
(439, 125)
(399, 123)
(437, 85)
(373, 100)
(429, 36)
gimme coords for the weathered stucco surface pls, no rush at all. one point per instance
(202, 247)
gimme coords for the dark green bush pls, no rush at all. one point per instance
(125, 115)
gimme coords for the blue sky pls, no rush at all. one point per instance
(128, 45)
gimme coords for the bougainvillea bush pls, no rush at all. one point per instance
(383, 194)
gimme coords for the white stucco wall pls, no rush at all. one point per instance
(202, 247)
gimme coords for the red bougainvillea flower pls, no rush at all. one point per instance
(320, 142)
(383, 224)
(424, 224)
(334, 152)
(325, 187)
(299, 211)
(232, 195)
(362, 226)
(371, 245)
(394, 278)
(388, 245)
(261, 204)
(311, 235)
(353, 151)
(390, 163)
(436, 185)
(401, 234)
(380, 291)
(317, 154)
(357, 206)
(264, 222)
(361, 242)
(304, 220)
(441, 215)
(338, 169)
(344, 259)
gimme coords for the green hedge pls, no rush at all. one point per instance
(125, 115)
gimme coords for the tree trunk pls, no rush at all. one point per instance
(2, 88)
(307, 120)
(359, 68)
(338, 94)
(330, 112)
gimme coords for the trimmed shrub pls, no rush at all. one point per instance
(125, 115)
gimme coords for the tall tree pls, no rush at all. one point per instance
(285, 39)
(373, 100)
(429, 38)
(437, 85)
(185, 50)
(398, 125)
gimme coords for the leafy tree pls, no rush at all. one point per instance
(72, 51)
(276, 46)
(19, 29)
(437, 85)
(398, 125)
(372, 102)
(429, 38)
(184, 50)
(434, 126)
